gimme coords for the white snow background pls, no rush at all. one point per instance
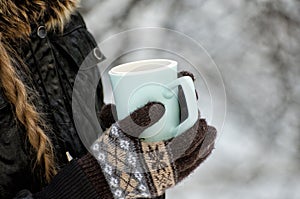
(255, 43)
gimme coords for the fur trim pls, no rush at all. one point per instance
(17, 16)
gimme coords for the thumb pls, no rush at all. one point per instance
(142, 118)
(107, 116)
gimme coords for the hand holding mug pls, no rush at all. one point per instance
(135, 169)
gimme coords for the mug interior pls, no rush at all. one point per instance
(143, 66)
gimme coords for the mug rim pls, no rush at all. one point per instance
(114, 70)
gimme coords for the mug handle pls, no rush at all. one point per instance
(188, 88)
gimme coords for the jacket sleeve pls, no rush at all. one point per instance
(81, 178)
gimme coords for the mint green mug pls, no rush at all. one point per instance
(136, 83)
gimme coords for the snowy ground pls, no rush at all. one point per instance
(256, 47)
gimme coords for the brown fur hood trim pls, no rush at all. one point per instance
(16, 16)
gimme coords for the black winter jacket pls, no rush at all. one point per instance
(53, 60)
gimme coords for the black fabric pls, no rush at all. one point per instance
(71, 183)
(53, 60)
(94, 173)
(24, 194)
(15, 168)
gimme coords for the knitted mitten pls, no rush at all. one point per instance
(134, 168)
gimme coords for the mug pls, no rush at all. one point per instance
(136, 83)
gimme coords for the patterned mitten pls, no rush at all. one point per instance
(134, 168)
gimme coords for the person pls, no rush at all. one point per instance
(42, 45)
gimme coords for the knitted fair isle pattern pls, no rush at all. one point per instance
(132, 168)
